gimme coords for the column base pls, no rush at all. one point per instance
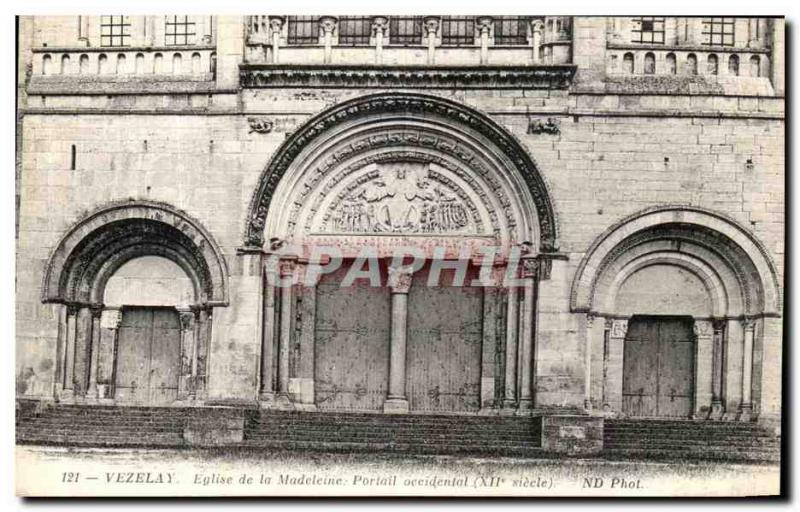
(745, 413)
(282, 403)
(395, 406)
(524, 407)
(717, 412)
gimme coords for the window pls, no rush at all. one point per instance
(648, 30)
(755, 66)
(303, 29)
(733, 65)
(458, 31)
(179, 30)
(405, 30)
(713, 65)
(718, 31)
(691, 64)
(649, 64)
(672, 67)
(115, 30)
(355, 29)
(627, 63)
(510, 31)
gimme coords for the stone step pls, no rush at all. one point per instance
(721, 439)
(688, 445)
(391, 419)
(322, 427)
(408, 448)
(91, 422)
(654, 454)
(389, 436)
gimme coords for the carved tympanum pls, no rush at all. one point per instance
(400, 199)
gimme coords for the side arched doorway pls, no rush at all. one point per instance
(682, 313)
(138, 282)
(367, 180)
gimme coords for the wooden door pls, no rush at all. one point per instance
(445, 330)
(352, 345)
(658, 367)
(148, 356)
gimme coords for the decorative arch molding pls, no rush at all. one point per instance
(477, 157)
(739, 260)
(105, 239)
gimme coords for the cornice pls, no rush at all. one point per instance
(440, 77)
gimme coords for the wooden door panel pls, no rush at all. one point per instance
(352, 345)
(133, 356)
(676, 368)
(165, 350)
(444, 347)
(658, 367)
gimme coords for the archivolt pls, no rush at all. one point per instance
(95, 247)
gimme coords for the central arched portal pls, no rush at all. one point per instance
(414, 230)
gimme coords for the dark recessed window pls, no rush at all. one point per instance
(354, 30)
(718, 31)
(405, 30)
(115, 30)
(179, 30)
(303, 29)
(458, 30)
(648, 30)
(510, 30)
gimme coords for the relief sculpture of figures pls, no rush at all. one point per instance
(401, 200)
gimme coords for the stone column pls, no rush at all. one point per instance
(68, 373)
(266, 391)
(537, 27)
(485, 27)
(287, 275)
(380, 25)
(94, 351)
(187, 351)
(618, 328)
(328, 24)
(399, 283)
(716, 372)
(203, 320)
(110, 320)
(276, 26)
(431, 27)
(703, 367)
(746, 406)
(587, 364)
(301, 386)
(512, 319)
(530, 267)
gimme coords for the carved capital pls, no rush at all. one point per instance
(97, 310)
(276, 23)
(530, 268)
(286, 268)
(187, 320)
(485, 24)
(537, 26)
(328, 24)
(380, 24)
(619, 327)
(431, 25)
(73, 308)
(400, 278)
(703, 328)
(719, 325)
(749, 324)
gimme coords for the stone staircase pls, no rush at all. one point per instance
(81, 425)
(681, 440)
(411, 434)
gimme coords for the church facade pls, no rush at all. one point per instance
(588, 213)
